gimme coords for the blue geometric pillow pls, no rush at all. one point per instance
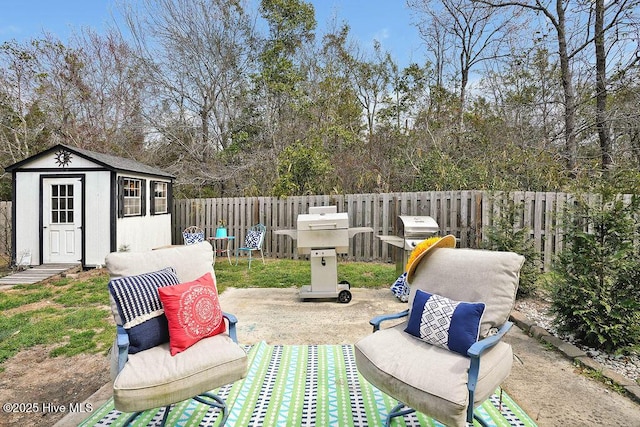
(453, 325)
(140, 308)
(192, 238)
(252, 239)
(400, 288)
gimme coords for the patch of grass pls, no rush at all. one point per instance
(56, 326)
(367, 275)
(79, 322)
(82, 342)
(28, 329)
(92, 291)
(285, 273)
(22, 295)
(273, 274)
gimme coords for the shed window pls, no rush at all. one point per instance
(132, 196)
(160, 202)
(62, 204)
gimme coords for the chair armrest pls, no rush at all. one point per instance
(486, 343)
(232, 325)
(474, 352)
(122, 339)
(376, 321)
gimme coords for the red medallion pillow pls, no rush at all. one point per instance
(193, 312)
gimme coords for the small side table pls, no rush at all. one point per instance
(222, 245)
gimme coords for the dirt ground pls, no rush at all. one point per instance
(37, 388)
(544, 383)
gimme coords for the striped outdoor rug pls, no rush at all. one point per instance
(305, 385)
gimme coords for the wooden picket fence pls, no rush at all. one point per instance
(466, 214)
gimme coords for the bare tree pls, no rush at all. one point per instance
(19, 136)
(614, 24)
(197, 56)
(570, 22)
(463, 28)
(114, 100)
(370, 81)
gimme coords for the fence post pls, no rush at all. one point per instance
(478, 218)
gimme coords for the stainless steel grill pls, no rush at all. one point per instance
(322, 234)
(411, 231)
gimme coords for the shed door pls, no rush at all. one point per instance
(62, 220)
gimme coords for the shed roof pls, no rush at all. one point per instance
(115, 163)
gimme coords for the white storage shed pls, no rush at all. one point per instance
(74, 206)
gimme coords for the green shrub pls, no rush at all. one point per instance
(504, 235)
(596, 282)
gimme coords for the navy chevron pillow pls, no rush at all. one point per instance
(449, 324)
(140, 309)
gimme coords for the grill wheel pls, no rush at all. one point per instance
(344, 297)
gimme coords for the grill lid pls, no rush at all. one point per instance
(323, 221)
(416, 226)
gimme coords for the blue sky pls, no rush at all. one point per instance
(388, 21)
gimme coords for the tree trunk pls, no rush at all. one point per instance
(571, 145)
(204, 119)
(602, 124)
(464, 81)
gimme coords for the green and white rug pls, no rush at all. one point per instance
(305, 385)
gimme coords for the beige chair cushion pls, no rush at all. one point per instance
(427, 378)
(472, 275)
(189, 261)
(153, 378)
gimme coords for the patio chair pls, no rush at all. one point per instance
(433, 362)
(193, 235)
(253, 242)
(173, 341)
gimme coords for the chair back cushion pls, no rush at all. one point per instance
(472, 275)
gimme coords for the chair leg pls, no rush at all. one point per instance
(397, 411)
(135, 415)
(131, 418)
(215, 402)
(480, 420)
(471, 413)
